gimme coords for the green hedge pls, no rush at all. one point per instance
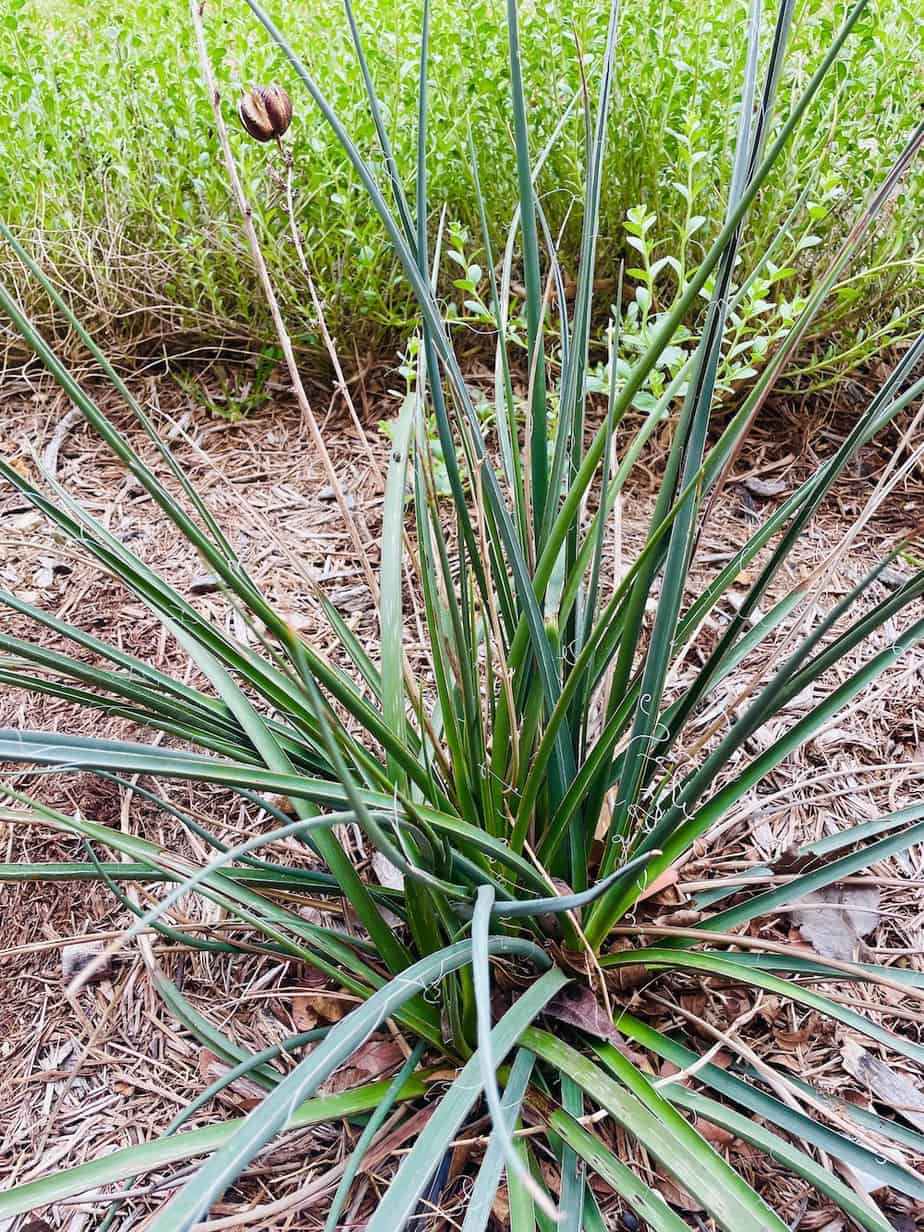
(109, 166)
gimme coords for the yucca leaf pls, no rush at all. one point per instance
(863, 1212)
(389, 947)
(245, 1068)
(53, 749)
(482, 1197)
(262, 675)
(665, 1135)
(760, 1104)
(516, 1165)
(867, 1119)
(569, 436)
(129, 1161)
(574, 1188)
(433, 321)
(796, 511)
(797, 964)
(748, 1130)
(400, 1199)
(370, 1129)
(658, 959)
(120, 386)
(391, 617)
(507, 426)
(668, 327)
(521, 1200)
(535, 354)
(673, 834)
(828, 874)
(345, 1037)
(317, 946)
(391, 167)
(646, 1202)
(683, 463)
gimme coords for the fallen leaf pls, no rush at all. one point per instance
(794, 1039)
(441, 1075)
(282, 803)
(323, 1005)
(370, 1061)
(665, 880)
(578, 1007)
(500, 1208)
(695, 1003)
(713, 1133)
(792, 859)
(677, 1196)
(79, 955)
(764, 487)
(627, 977)
(907, 1223)
(304, 1016)
(389, 876)
(680, 919)
(212, 1067)
(204, 584)
(888, 1086)
(834, 919)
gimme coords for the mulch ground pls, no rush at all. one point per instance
(110, 1068)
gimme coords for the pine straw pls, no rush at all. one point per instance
(112, 1068)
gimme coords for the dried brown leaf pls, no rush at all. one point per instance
(371, 1061)
(834, 919)
(322, 1005)
(79, 955)
(577, 1006)
(888, 1085)
(713, 1133)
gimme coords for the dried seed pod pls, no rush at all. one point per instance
(266, 112)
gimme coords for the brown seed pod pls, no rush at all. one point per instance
(266, 112)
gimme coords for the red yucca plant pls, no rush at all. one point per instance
(530, 777)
